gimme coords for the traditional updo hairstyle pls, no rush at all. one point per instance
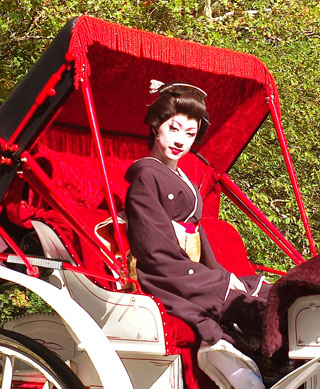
(178, 98)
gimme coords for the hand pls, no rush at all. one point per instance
(236, 284)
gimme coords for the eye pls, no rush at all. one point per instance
(174, 129)
(191, 134)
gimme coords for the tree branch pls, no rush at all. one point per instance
(249, 12)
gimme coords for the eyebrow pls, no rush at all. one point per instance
(186, 129)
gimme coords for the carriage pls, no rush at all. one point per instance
(68, 133)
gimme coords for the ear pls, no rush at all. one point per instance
(155, 132)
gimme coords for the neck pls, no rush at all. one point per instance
(171, 164)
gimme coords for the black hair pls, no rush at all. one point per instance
(168, 105)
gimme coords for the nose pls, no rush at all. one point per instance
(178, 144)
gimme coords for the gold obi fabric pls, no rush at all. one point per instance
(188, 241)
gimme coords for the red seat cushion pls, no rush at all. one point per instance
(184, 341)
(228, 246)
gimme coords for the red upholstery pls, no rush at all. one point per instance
(228, 246)
(185, 342)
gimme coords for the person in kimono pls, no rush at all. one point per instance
(163, 209)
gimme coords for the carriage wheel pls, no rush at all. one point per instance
(24, 361)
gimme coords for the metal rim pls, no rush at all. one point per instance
(13, 356)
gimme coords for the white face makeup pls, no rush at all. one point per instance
(174, 139)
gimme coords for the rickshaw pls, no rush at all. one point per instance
(68, 132)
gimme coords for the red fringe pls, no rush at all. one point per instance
(147, 45)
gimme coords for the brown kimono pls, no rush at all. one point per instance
(195, 292)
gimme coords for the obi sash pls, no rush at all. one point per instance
(189, 238)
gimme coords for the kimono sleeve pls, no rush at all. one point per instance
(163, 267)
(150, 231)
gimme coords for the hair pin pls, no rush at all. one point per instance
(177, 88)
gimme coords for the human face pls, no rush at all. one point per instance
(174, 139)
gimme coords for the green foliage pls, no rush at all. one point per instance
(283, 34)
(286, 38)
(15, 301)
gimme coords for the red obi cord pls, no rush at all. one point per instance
(191, 228)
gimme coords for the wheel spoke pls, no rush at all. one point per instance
(7, 372)
(47, 385)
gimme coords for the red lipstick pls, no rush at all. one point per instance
(175, 151)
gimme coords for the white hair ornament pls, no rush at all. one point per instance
(177, 88)
(155, 85)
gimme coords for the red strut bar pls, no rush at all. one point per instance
(93, 121)
(285, 151)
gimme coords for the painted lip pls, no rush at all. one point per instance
(175, 151)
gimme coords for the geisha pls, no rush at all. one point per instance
(174, 259)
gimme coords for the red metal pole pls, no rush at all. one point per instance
(261, 226)
(269, 270)
(90, 273)
(237, 196)
(93, 121)
(292, 175)
(31, 270)
(73, 218)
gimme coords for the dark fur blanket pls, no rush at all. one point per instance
(300, 281)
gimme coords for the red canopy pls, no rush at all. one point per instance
(121, 61)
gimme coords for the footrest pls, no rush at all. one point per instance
(37, 261)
